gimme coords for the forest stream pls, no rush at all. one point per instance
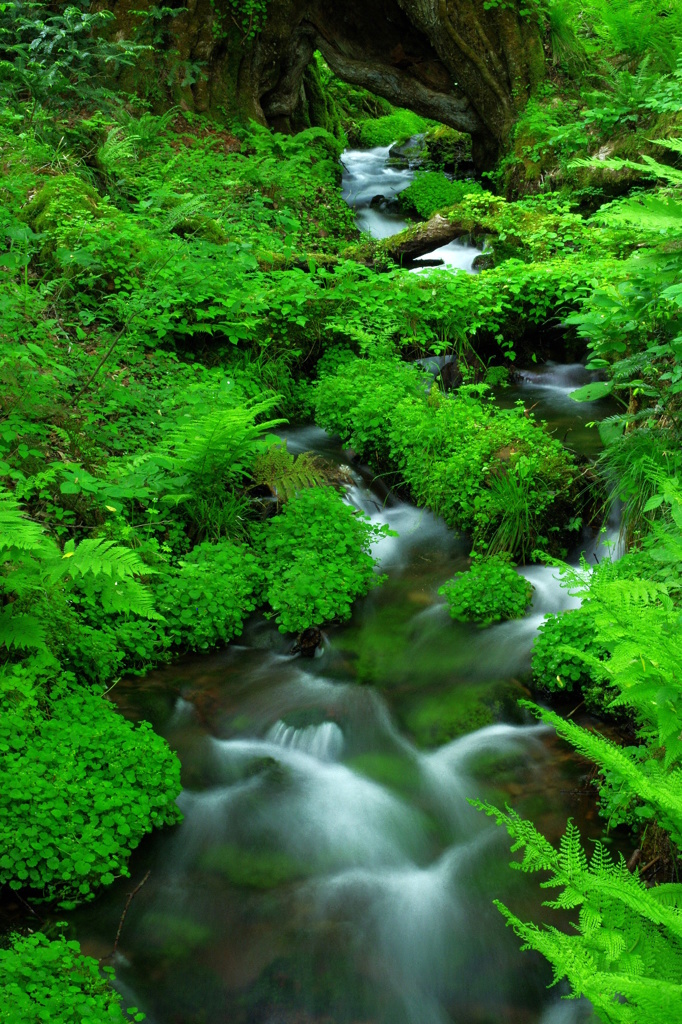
(329, 869)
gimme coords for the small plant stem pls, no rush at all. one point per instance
(131, 897)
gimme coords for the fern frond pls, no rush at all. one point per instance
(21, 630)
(97, 557)
(657, 787)
(220, 444)
(128, 596)
(285, 475)
(16, 531)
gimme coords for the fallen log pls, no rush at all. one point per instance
(407, 246)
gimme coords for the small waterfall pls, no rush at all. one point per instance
(370, 185)
(457, 255)
(324, 742)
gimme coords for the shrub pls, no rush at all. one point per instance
(556, 660)
(432, 191)
(458, 454)
(317, 559)
(490, 591)
(80, 786)
(50, 980)
(397, 127)
(206, 602)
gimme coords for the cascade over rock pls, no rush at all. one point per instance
(451, 60)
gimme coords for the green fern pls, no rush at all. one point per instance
(16, 531)
(626, 955)
(21, 630)
(285, 475)
(220, 445)
(34, 567)
(650, 781)
(97, 557)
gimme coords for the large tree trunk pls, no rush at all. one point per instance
(451, 60)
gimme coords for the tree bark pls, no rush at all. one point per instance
(416, 241)
(451, 60)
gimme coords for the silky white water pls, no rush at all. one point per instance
(329, 870)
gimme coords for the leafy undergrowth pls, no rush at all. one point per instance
(50, 980)
(80, 786)
(490, 591)
(492, 472)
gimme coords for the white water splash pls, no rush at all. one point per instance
(324, 742)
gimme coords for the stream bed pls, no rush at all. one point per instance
(329, 869)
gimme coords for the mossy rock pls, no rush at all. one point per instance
(397, 128)
(437, 719)
(446, 148)
(201, 227)
(61, 199)
(252, 869)
(388, 770)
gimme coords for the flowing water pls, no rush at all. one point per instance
(329, 869)
(371, 184)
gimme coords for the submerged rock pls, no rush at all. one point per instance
(308, 641)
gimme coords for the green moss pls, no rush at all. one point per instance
(388, 770)
(432, 191)
(63, 198)
(443, 717)
(395, 128)
(446, 148)
(252, 869)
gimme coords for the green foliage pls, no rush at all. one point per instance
(558, 648)
(627, 954)
(80, 786)
(58, 56)
(207, 599)
(250, 15)
(432, 191)
(490, 591)
(317, 559)
(452, 451)
(397, 127)
(285, 474)
(50, 979)
(37, 573)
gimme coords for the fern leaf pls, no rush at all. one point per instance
(16, 531)
(21, 630)
(128, 596)
(99, 557)
(285, 475)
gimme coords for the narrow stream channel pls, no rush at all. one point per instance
(329, 869)
(370, 185)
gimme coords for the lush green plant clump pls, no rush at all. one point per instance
(493, 472)
(432, 191)
(490, 591)
(50, 980)
(317, 559)
(80, 786)
(557, 652)
(206, 601)
(397, 127)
